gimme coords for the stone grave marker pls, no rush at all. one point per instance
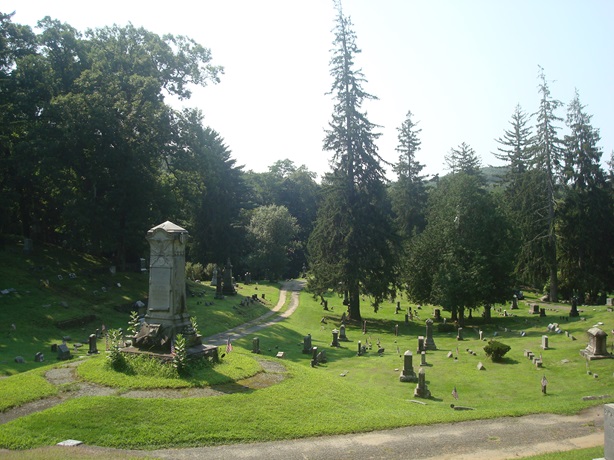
(63, 352)
(256, 345)
(422, 390)
(408, 374)
(307, 344)
(437, 315)
(597, 347)
(459, 335)
(534, 309)
(423, 358)
(342, 335)
(335, 342)
(420, 344)
(92, 345)
(430, 343)
(544, 342)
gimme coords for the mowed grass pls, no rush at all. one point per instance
(233, 367)
(348, 393)
(320, 401)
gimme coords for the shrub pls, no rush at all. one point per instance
(194, 271)
(496, 350)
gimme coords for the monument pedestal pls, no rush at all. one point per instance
(167, 315)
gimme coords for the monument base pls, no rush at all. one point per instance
(195, 352)
(590, 356)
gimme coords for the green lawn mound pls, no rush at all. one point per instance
(150, 374)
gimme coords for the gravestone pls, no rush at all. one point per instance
(437, 315)
(228, 286)
(597, 347)
(420, 344)
(515, 302)
(408, 374)
(534, 309)
(248, 278)
(422, 390)
(574, 307)
(39, 357)
(214, 276)
(481, 334)
(542, 312)
(63, 352)
(93, 350)
(256, 345)
(342, 335)
(544, 342)
(167, 314)
(314, 356)
(430, 343)
(360, 349)
(459, 335)
(423, 358)
(335, 342)
(307, 344)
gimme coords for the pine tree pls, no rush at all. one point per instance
(547, 158)
(463, 159)
(409, 192)
(353, 244)
(585, 245)
(516, 143)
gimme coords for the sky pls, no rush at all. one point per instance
(460, 67)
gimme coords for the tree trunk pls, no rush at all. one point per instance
(461, 316)
(354, 305)
(487, 315)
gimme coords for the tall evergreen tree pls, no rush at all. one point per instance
(408, 194)
(547, 158)
(353, 244)
(585, 246)
(463, 159)
(516, 143)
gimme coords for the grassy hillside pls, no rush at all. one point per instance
(55, 293)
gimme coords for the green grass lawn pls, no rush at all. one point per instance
(320, 401)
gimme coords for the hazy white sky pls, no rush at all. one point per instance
(460, 66)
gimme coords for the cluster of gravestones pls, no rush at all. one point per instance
(317, 356)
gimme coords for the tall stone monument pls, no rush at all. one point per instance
(166, 314)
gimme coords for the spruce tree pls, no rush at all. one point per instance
(547, 158)
(352, 247)
(408, 194)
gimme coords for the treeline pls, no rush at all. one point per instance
(92, 156)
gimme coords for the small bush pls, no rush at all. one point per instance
(194, 271)
(496, 350)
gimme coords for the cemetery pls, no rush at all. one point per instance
(315, 361)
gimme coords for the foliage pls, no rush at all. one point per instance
(516, 144)
(271, 232)
(134, 325)
(496, 350)
(180, 355)
(195, 271)
(462, 259)
(408, 194)
(463, 159)
(116, 359)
